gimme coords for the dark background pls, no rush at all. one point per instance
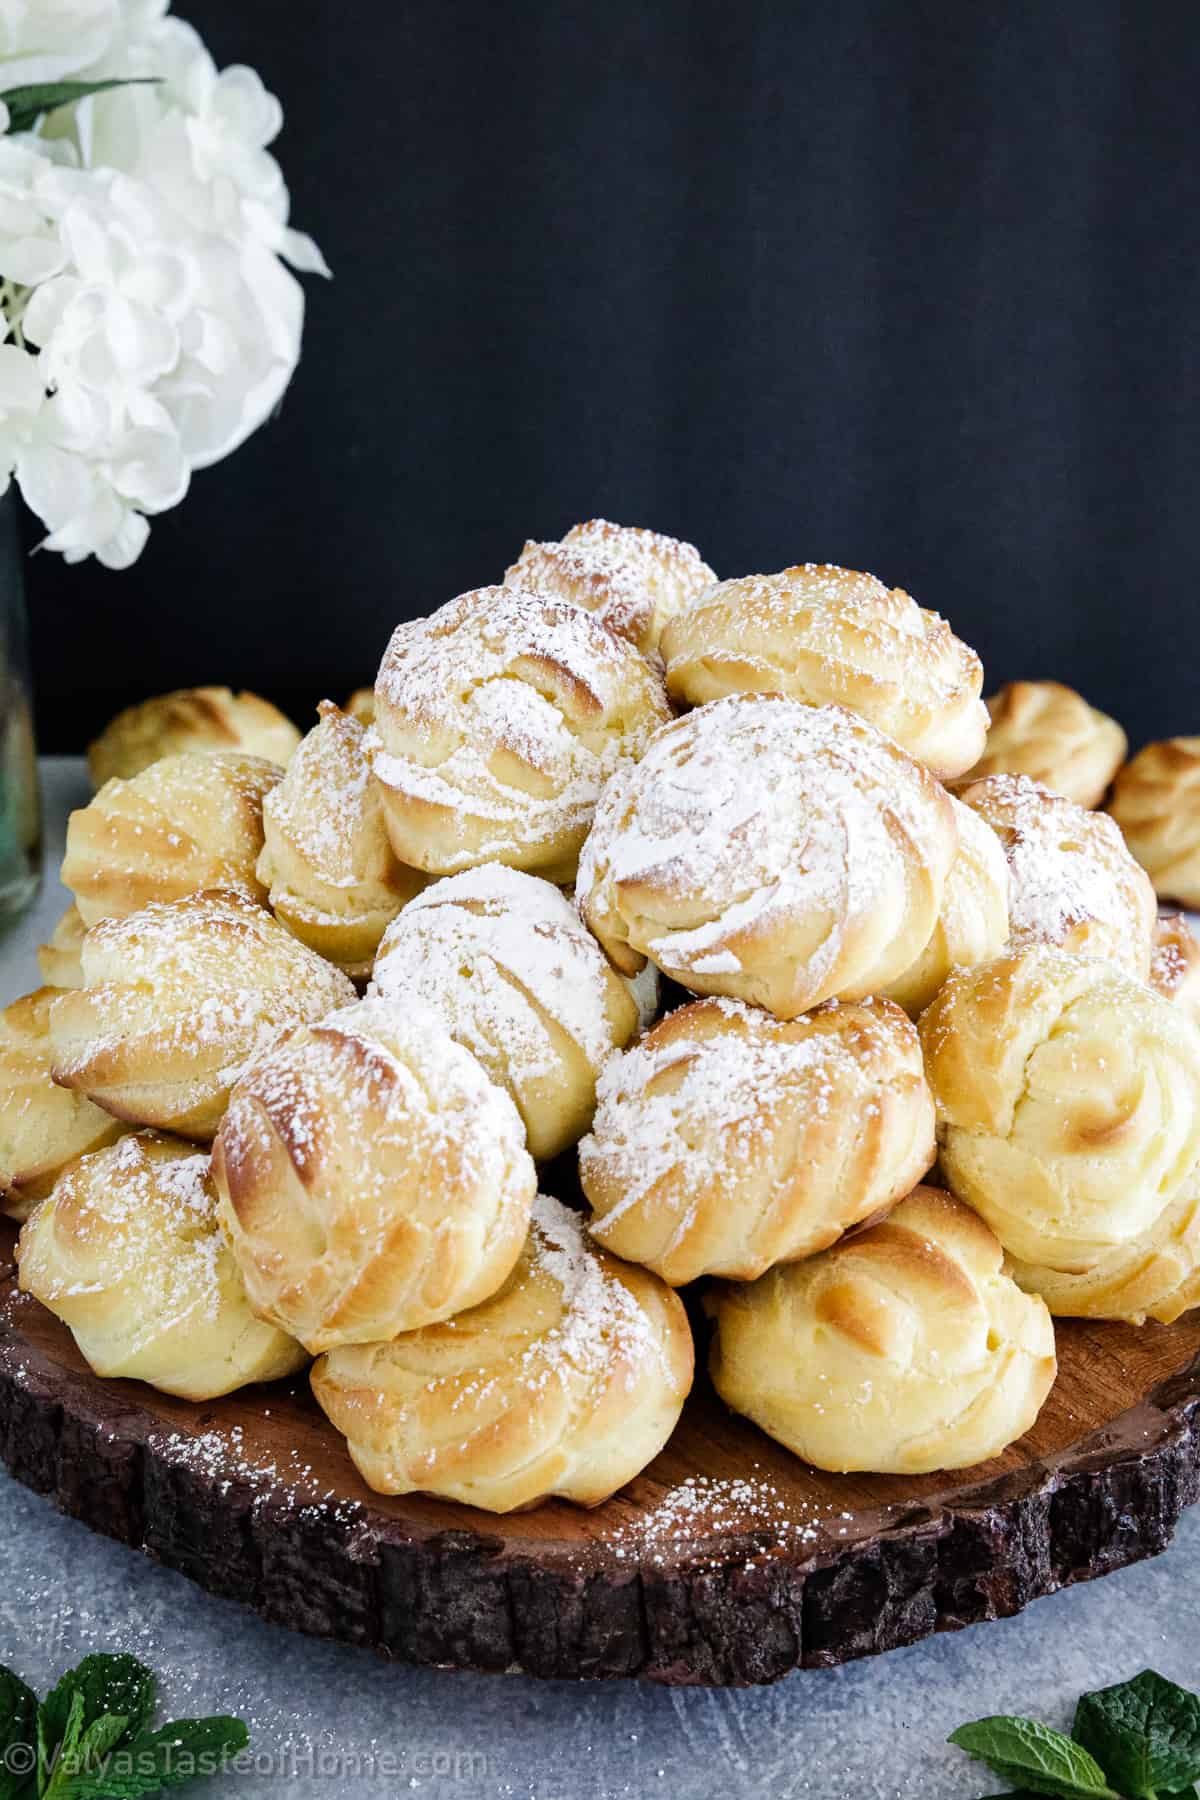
(914, 288)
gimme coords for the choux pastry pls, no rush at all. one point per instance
(1156, 802)
(1050, 733)
(726, 1140)
(633, 580)
(43, 1128)
(176, 1000)
(187, 822)
(127, 1252)
(497, 723)
(833, 636)
(372, 1178)
(60, 959)
(1157, 1276)
(1175, 964)
(567, 1382)
(770, 851)
(503, 960)
(207, 718)
(329, 869)
(972, 925)
(1068, 1100)
(903, 1349)
(1071, 881)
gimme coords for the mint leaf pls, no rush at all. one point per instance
(18, 1737)
(1145, 1733)
(1043, 1760)
(99, 1739)
(59, 1730)
(175, 1753)
(105, 1684)
(84, 1752)
(26, 105)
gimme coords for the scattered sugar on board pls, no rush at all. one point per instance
(691, 1516)
(222, 1457)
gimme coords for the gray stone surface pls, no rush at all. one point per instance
(329, 1721)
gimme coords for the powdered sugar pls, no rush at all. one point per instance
(325, 806)
(1068, 868)
(503, 956)
(705, 1511)
(513, 706)
(632, 579)
(600, 1318)
(749, 810)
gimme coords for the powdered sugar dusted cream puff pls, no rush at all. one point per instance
(498, 721)
(372, 1178)
(567, 1382)
(727, 1140)
(634, 581)
(770, 851)
(504, 961)
(834, 637)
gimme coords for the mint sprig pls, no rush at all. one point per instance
(1046, 1761)
(90, 1738)
(18, 1737)
(1138, 1740)
(1146, 1732)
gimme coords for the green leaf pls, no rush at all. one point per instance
(175, 1753)
(1044, 1760)
(83, 1753)
(18, 1736)
(1145, 1733)
(26, 105)
(76, 1721)
(106, 1684)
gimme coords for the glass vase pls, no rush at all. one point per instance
(20, 801)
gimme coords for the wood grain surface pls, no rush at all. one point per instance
(728, 1561)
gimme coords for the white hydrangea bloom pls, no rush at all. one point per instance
(47, 40)
(141, 234)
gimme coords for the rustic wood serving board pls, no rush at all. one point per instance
(760, 1566)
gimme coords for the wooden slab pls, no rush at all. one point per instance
(759, 1566)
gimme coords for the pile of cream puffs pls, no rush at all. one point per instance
(731, 904)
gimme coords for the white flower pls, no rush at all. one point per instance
(22, 397)
(31, 250)
(44, 40)
(140, 242)
(85, 514)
